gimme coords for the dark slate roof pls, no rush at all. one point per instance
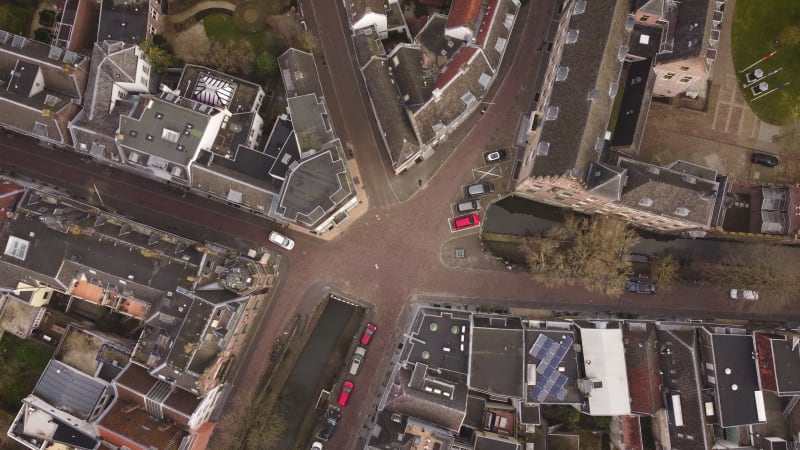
(689, 30)
(123, 20)
(404, 398)
(392, 119)
(605, 179)
(69, 390)
(299, 72)
(673, 193)
(475, 409)
(413, 81)
(23, 78)
(432, 331)
(581, 123)
(786, 357)
(637, 47)
(737, 379)
(493, 442)
(65, 434)
(631, 106)
(314, 187)
(495, 26)
(678, 359)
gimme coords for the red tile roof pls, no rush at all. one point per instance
(631, 433)
(642, 366)
(464, 13)
(460, 59)
(130, 425)
(487, 22)
(765, 362)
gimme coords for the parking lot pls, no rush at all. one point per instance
(496, 173)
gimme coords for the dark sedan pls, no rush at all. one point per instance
(641, 287)
(764, 159)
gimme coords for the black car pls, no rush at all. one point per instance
(764, 159)
(329, 426)
(640, 287)
(495, 156)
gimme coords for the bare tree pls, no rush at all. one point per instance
(590, 252)
(664, 269)
(769, 268)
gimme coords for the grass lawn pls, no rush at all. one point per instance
(22, 361)
(221, 28)
(756, 28)
(15, 19)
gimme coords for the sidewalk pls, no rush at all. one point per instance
(474, 257)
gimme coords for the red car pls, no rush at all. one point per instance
(368, 332)
(344, 396)
(468, 221)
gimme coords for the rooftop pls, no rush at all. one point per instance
(358, 8)
(436, 47)
(679, 359)
(738, 390)
(584, 99)
(464, 13)
(169, 129)
(495, 29)
(367, 44)
(490, 441)
(70, 390)
(497, 356)
(641, 361)
(127, 419)
(39, 424)
(669, 191)
(457, 87)
(315, 186)
(563, 441)
(123, 20)
(689, 29)
(553, 363)
(604, 367)
(299, 73)
(432, 333)
(392, 118)
(310, 121)
(786, 355)
(394, 431)
(633, 103)
(419, 392)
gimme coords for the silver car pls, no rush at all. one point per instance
(358, 358)
(281, 240)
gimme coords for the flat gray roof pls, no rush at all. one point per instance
(169, 127)
(496, 361)
(314, 187)
(436, 331)
(69, 390)
(310, 121)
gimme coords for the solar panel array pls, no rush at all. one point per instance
(550, 382)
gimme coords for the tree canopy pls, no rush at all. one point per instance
(592, 252)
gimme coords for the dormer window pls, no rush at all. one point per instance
(543, 148)
(580, 7)
(572, 36)
(552, 113)
(561, 73)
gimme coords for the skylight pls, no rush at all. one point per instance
(17, 248)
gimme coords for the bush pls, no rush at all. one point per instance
(47, 18)
(42, 35)
(266, 65)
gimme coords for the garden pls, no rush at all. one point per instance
(16, 16)
(22, 361)
(766, 36)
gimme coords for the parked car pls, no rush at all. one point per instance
(368, 332)
(468, 221)
(281, 240)
(316, 445)
(495, 155)
(744, 294)
(478, 189)
(329, 425)
(640, 287)
(468, 206)
(764, 159)
(358, 358)
(344, 394)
